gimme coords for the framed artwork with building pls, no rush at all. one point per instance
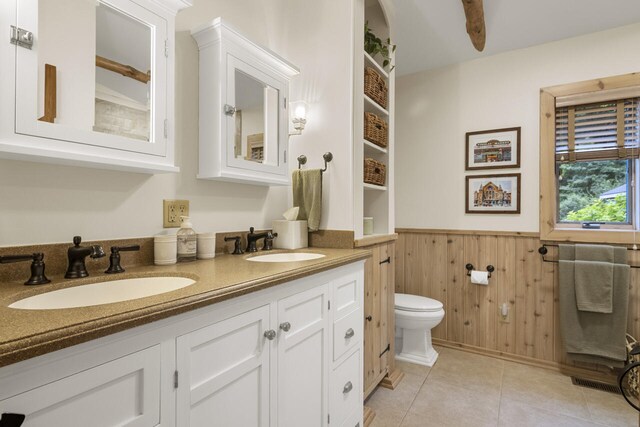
(493, 194)
(493, 149)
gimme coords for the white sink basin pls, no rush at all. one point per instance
(103, 293)
(288, 257)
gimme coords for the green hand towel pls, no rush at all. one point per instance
(307, 195)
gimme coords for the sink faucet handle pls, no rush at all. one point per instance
(268, 241)
(251, 230)
(237, 250)
(114, 259)
(37, 267)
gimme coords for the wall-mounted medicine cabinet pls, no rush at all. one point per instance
(89, 83)
(244, 90)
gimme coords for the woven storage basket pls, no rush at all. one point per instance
(375, 87)
(374, 172)
(632, 378)
(376, 130)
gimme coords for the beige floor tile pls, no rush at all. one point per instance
(513, 413)
(388, 417)
(419, 420)
(467, 370)
(412, 368)
(400, 398)
(544, 389)
(448, 405)
(609, 409)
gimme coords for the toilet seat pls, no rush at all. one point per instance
(415, 303)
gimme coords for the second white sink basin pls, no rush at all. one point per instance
(103, 293)
(286, 257)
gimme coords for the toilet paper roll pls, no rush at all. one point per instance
(479, 277)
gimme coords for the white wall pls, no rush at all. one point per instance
(435, 109)
(317, 38)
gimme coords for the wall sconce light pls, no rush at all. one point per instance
(298, 116)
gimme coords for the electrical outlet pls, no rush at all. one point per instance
(504, 313)
(172, 210)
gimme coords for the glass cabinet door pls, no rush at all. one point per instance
(254, 109)
(96, 75)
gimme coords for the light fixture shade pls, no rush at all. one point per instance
(299, 111)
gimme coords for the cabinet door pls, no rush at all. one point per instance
(225, 370)
(379, 315)
(94, 107)
(303, 358)
(123, 392)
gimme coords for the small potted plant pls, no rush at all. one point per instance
(373, 45)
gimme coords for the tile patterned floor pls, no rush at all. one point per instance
(465, 389)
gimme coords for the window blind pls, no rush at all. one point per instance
(602, 130)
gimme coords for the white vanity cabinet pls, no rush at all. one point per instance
(119, 384)
(89, 83)
(244, 90)
(289, 355)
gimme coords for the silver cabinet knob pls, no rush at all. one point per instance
(229, 110)
(270, 334)
(285, 326)
(347, 387)
(349, 334)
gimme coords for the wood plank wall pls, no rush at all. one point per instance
(432, 263)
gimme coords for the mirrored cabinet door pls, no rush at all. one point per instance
(89, 83)
(96, 74)
(253, 130)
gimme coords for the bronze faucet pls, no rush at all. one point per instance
(77, 254)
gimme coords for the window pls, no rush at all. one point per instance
(590, 142)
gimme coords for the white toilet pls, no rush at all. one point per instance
(415, 317)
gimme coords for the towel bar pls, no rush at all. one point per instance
(542, 250)
(302, 160)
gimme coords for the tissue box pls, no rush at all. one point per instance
(291, 234)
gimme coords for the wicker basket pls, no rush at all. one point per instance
(632, 378)
(374, 172)
(375, 87)
(376, 130)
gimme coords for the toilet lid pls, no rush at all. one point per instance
(408, 302)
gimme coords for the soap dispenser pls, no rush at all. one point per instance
(187, 242)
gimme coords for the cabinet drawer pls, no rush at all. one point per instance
(345, 296)
(122, 392)
(347, 333)
(345, 392)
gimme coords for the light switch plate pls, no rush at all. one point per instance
(172, 210)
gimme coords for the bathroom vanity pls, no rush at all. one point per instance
(249, 344)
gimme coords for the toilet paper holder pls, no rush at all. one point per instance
(490, 269)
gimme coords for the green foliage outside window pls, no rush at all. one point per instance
(602, 211)
(582, 184)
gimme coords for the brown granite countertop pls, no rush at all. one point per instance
(29, 333)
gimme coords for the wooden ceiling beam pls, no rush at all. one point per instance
(474, 12)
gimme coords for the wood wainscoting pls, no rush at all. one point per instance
(432, 263)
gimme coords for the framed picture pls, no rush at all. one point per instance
(493, 194)
(493, 149)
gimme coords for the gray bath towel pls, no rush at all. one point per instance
(594, 277)
(590, 336)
